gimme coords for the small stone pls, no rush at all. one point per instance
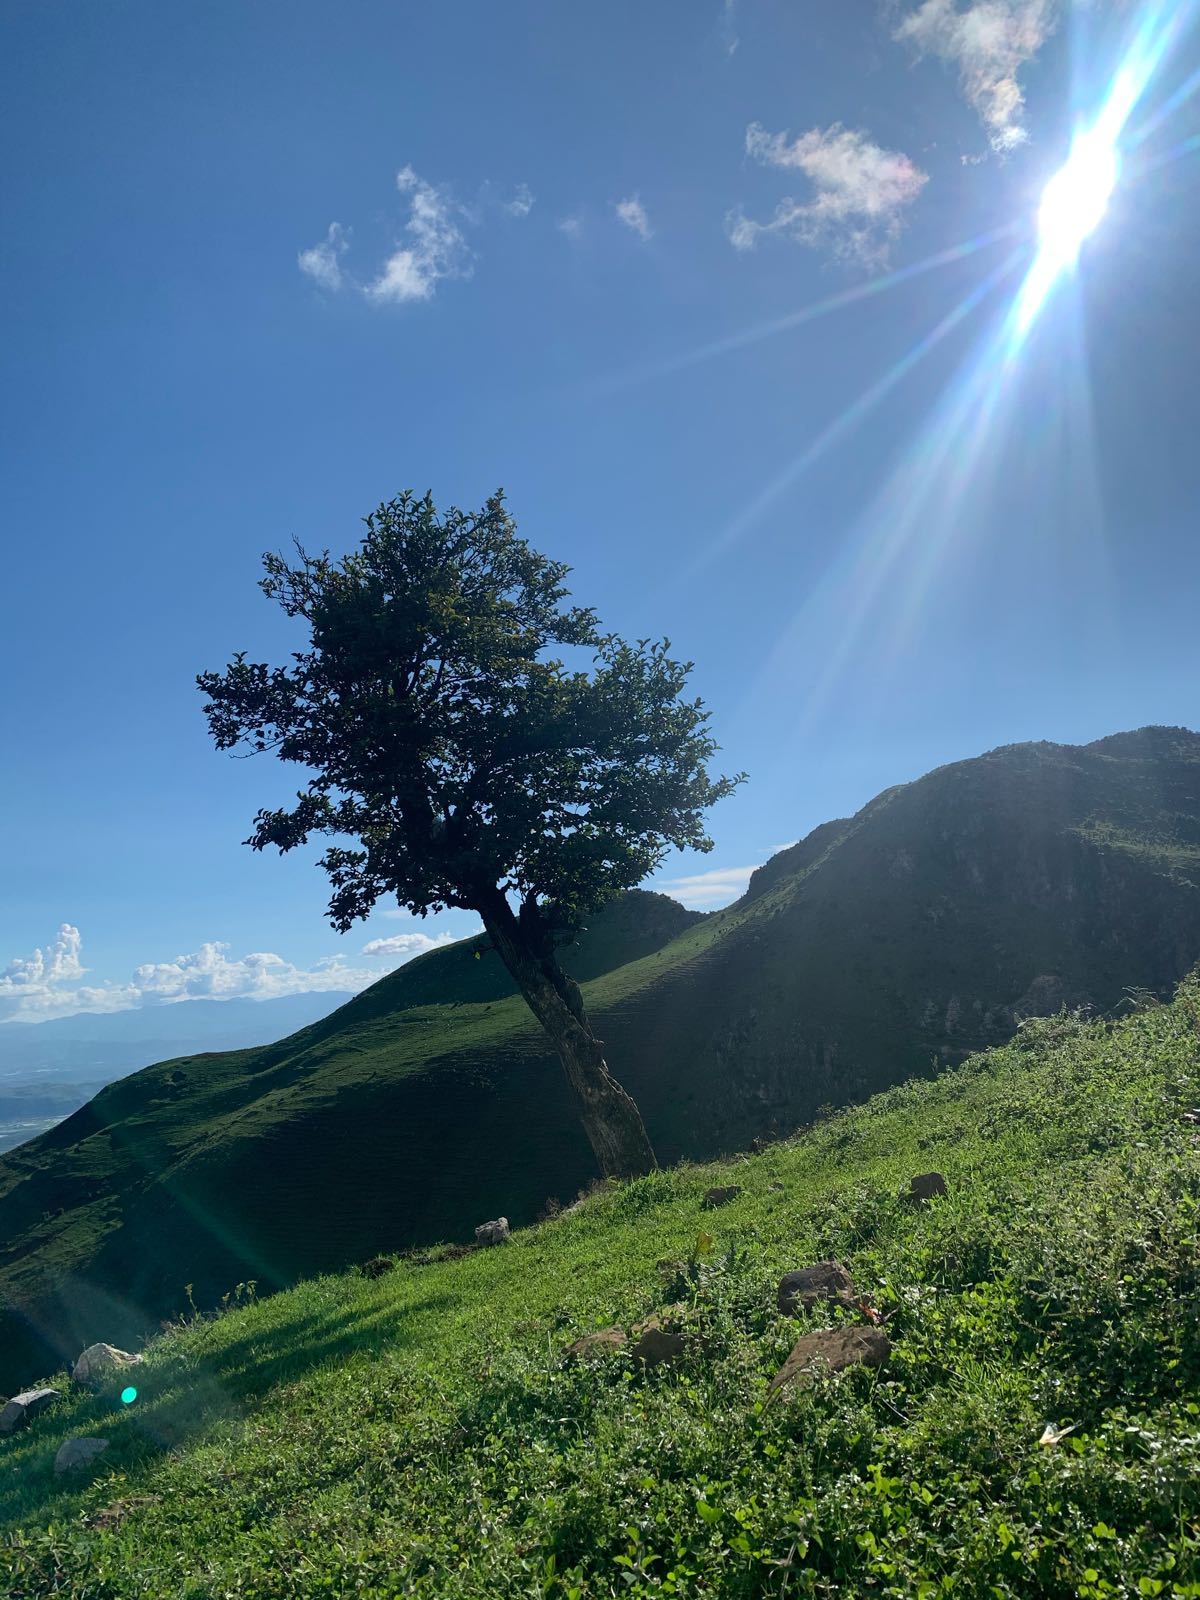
(801, 1290)
(492, 1232)
(721, 1197)
(77, 1453)
(99, 1359)
(601, 1343)
(926, 1184)
(832, 1349)
(22, 1408)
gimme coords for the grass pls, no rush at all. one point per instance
(421, 1434)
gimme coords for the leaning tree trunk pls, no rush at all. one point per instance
(610, 1117)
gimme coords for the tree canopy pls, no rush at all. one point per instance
(448, 738)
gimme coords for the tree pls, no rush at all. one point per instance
(471, 767)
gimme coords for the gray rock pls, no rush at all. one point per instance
(831, 1350)
(801, 1290)
(925, 1185)
(76, 1453)
(721, 1197)
(22, 1408)
(98, 1360)
(492, 1232)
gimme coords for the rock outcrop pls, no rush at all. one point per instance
(98, 1360)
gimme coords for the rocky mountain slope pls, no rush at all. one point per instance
(876, 949)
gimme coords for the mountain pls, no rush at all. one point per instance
(1031, 1433)
(879, 948)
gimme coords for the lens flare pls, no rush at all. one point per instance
(128, 1396)
(1077, 196)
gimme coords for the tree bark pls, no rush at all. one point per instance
(610, 1117)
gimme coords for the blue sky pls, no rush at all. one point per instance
(266, 266)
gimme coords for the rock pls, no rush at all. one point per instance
(801, 1290)
(492, 1232)
(925, 1185)
(100, 1359)
(77, 1453)
(832, 1350)
(721, 1197)
(658, 1340)
(376, 1267)
(601, 1343)
(22, 1408)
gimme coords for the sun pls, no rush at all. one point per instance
(1077, 196)
(1073, 204)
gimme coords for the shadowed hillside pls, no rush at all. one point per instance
(911, 934)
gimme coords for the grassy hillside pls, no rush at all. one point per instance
(423, 1435)
(877, 949)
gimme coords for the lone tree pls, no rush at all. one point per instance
(472, 767)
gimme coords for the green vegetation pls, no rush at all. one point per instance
(422, 1435)
(878, 949)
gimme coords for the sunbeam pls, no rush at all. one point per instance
(811, 313)
(852, 415)
(1075, 199)
(904, 539)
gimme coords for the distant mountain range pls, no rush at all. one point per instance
(876, 949)
(101, 1046)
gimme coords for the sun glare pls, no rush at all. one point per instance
(1077, 196)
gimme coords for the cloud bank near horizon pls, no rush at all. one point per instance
(49, 982)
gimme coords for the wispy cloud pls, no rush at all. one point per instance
(705, 890)
(323, 262)
(521, 203)
(48, 983)
(407, 945)
(571, 226)
(432, 245)
(989, 41)
(633, 214)
(435, 246)
(861, 191)
(728, 26)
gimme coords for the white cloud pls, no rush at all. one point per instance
(571, 226)
(521, 203)
(437, 248)
(46, 984)
(323, 262)
(861, 191)
(989, 41)
(58, 963)
(633, 214)
(408, 945)
(702, 889)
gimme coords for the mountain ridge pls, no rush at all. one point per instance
(884, 946)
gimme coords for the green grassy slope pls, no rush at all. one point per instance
(906, 936)
(422, 1435)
